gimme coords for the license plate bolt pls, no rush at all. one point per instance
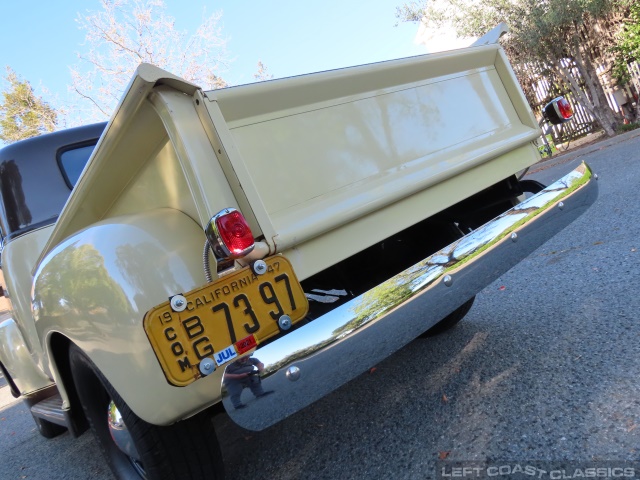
(284, 322)
(178, 303)
(259, 267)
(207, 366)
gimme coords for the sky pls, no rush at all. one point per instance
(40, 39)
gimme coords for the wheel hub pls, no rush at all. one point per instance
(120, 434)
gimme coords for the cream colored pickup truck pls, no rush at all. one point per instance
(249, 250)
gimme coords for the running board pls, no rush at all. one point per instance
(50, 409)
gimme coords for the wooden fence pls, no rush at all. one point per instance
(541, 85)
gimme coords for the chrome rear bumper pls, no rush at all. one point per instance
(316, 359)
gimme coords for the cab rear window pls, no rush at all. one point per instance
(73, 159)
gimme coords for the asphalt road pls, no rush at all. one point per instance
(544, 370)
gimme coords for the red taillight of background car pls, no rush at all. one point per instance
(558, 110)
(564, 108)
(229, 234)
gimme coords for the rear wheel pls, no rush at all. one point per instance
(185, 450)
(450, 320)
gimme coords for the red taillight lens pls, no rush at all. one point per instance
(558, 111)
(564, 108)
(235, 232)
(229, 234)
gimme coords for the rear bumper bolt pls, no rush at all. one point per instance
(293, 373)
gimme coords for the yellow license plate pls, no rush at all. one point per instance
(224, 319)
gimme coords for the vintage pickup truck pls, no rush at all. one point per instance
(249, 250)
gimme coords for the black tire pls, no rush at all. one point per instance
(185, 450)
(532, 186)
(458, 314)
(450, 320)
(48, 429)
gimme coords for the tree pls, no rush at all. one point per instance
(125, 33)
(262, 74)
(22, 113)
(563, 35)
(627, 49)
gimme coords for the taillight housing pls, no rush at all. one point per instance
(229, 234)
(558, 110)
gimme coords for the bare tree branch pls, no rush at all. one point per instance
(125, 33)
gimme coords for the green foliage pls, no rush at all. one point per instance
(628, 127)
(560, 36)
(410, 12)
(537, 29)
(628, 47)
(22, 113)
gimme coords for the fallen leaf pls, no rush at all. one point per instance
(372, 369)
(443, 455)
(445, 399)
(502, 288)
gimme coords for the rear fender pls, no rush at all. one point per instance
(95, 288)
